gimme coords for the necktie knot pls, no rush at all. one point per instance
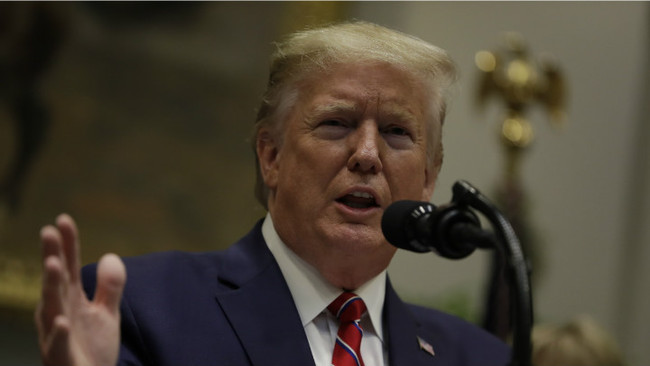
(348, 307)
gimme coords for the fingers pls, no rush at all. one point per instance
(63, 241)
(111, 277)
(54, 279)
(70, 245)
(50, 242)
(55, 348)
(52, 293)
(60, 255)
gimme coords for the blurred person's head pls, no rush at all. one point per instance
(580, 342)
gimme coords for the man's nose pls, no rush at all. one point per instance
(366, 144)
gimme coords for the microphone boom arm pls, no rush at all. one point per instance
(464, 194)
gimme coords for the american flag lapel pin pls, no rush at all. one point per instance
(426, 347)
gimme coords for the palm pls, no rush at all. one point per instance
(92, 319)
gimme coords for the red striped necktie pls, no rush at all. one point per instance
(348, 308)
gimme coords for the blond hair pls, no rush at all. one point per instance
(581, 342)
(317, 50)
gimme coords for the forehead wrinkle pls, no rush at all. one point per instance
(394, 106)
(338, 105)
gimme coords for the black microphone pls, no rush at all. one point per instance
(452, 231)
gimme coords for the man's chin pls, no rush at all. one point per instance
(357, 235)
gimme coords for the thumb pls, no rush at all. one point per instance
(111, 277)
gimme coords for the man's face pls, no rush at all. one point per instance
(354, 142)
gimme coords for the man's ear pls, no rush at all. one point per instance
(267, 155)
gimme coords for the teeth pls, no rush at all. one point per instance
(361, 195)
(358, 199)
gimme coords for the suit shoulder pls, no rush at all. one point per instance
(160, 268)
(163, 261)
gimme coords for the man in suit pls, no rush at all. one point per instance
(350, 122)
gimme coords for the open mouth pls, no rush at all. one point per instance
(358, 200)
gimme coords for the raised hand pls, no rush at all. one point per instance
(72, 330)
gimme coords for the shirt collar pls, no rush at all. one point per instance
(311, 292)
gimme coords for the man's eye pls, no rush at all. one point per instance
(332, 122)
(398, 137)
(397, 131)
(332, 129)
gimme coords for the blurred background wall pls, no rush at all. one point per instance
(135, 117)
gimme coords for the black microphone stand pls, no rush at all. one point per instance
(465, 195)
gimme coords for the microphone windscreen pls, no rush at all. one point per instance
(397, 221)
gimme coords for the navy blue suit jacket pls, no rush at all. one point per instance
(233, 308)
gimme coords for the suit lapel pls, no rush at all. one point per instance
(408, 344)
(259, 306)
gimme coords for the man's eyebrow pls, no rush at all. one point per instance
(390, 112)
(335, 106)
(400, 113)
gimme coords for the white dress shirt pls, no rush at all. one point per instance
(312, 294)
